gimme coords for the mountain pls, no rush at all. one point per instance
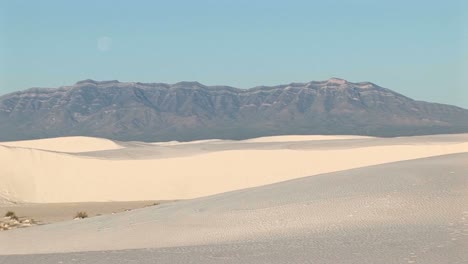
(190, 110)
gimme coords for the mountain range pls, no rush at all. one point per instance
(189, 111)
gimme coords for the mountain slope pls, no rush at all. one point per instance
(189, 110)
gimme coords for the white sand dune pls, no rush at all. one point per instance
(293, 138)
(66, 144)
(285, 138)
(194, 170)
(405, 212)
(172, 143)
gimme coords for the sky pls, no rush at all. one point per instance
(417, 48)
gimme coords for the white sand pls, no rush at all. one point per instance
(59, 212)
(293, 138)
(285, 138)
(32, 175)
(66, 144)
(173, 143)
(390, 213)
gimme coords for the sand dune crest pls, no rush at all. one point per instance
(66, 144)
(32, 175)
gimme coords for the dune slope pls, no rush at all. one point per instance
(66, 144)
(143, 172)
(404, 212)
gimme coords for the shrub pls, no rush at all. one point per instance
(10, 214)
(153, 204)
(81, 215)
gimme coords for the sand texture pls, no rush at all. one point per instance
(136, 171)
(66, 144)
(404, 212)
(57, 212)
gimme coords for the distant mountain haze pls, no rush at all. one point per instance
(189, 111)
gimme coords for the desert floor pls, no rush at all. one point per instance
(57, 212)
(269, 200)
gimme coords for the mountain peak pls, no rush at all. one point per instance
(88, 81)
(336, 81)
(189, 83)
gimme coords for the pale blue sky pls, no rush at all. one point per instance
(418, 48)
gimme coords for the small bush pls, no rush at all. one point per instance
(11, 214)
(81, 215)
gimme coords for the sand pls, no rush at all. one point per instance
(66, 144)
(404, 212)
(143, 171)
(57, 212)
(293, 138)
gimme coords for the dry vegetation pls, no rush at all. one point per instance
(11, 221)
(81, 215)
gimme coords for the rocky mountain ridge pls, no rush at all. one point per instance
(190, 110)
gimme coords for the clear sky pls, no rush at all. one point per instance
(418, 48)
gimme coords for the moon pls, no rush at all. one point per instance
(104, 43)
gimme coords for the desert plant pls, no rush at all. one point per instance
(153, 204)
(10, 214)
(81, 215)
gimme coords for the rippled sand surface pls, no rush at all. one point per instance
(404, 212)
